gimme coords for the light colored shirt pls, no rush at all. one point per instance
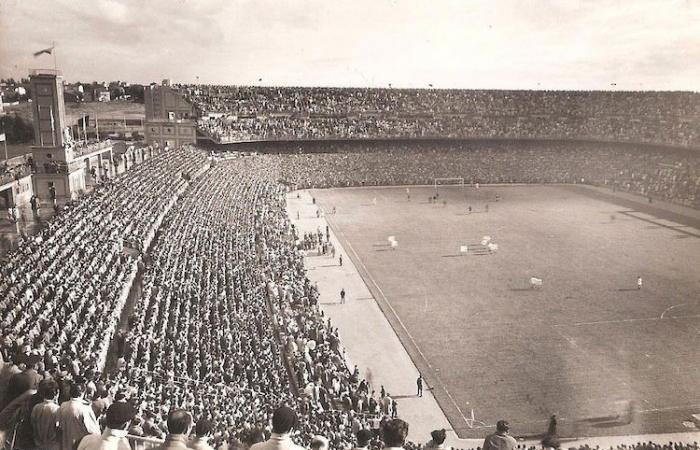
(75, 420)
(45, 425)
(174, 442)
(499, 441)
(109, 440)
(277, 442)
(200, 443)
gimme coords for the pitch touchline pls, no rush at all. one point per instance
(393, 311)
(644, 319)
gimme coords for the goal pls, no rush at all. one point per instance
(448, 182)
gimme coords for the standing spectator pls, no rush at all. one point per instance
(500, 440)
(551, 440)
(76, 418)
(284, 420)
(179, 427)
(394, 433)
(363, 439)
(419, 385)
(117, 421)
(44, 416)
(319, 443)
(438, 440)
(15, 417)
(203, 431)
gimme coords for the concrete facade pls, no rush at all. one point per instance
(170, 119)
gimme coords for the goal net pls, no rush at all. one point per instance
(448, 182)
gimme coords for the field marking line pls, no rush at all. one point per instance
(393, 311)
(634, 214)
(670, 308)
(601, 368)
(641, 319)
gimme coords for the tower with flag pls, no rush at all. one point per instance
(62, 167)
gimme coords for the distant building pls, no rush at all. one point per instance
(102, 94)
(170, 119)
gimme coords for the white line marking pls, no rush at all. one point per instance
(393, 311)
(670, 308)
(643, 319)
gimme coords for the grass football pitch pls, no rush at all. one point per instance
(583, 345)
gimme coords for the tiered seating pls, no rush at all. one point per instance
(233, 113)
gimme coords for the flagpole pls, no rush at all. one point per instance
(53, 45)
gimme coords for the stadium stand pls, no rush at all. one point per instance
(671, 175)
(233, 114)
(227, 325)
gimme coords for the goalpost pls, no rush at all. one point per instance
(454, 181)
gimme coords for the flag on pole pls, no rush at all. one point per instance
(48, 51)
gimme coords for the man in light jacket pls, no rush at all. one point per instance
(117, 421)
(500, 440)
(284, 420)
(76, 418)
(179, 428)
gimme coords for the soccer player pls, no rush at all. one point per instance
(342, 296)
(486, 208)
(340, 260)
(469, 209)
(419, 384)
(639, 282)
(408, 194)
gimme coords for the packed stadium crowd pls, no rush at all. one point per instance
(657, 173)
(233, 113)
(227, 326)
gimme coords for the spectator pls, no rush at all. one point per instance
(118, 418)
(203, 432)
(179, 427)
(284, 420)
(500, 440)
(394, 433)
(364, 437)
(319, 443)
(76, 418)
(437, 440)
(44, 418)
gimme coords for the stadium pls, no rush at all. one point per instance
(345, 267)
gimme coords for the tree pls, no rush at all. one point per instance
(136, 92)
(17, 130)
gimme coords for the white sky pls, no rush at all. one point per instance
(519, 44)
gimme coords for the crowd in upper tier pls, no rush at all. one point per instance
(233, 113)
